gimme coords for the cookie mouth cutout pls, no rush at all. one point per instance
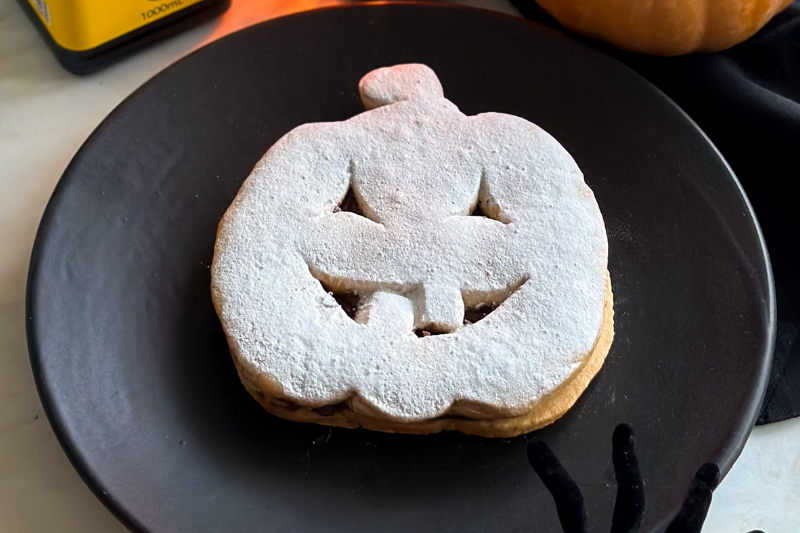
(350, 301)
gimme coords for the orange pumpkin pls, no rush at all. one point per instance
(665, 27)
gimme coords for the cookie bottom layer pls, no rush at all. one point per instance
(545, 412)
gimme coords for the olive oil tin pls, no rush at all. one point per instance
(87, 35)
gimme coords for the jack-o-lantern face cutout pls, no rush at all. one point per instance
(414, 170)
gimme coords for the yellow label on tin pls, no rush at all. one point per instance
(85, 24)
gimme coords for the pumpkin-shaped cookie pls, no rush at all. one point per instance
(357, 286)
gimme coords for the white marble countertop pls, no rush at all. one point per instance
(45, 115)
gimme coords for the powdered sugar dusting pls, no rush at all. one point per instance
(417, 166)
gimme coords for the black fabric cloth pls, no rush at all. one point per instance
(747, 100)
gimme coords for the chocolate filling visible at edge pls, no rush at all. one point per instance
(330, 410)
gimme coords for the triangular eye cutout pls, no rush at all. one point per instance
(478, 211)
(349, 204)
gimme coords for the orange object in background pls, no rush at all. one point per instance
(665, 27)
(245, 13)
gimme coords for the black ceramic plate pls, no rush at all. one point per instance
(133, 367)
